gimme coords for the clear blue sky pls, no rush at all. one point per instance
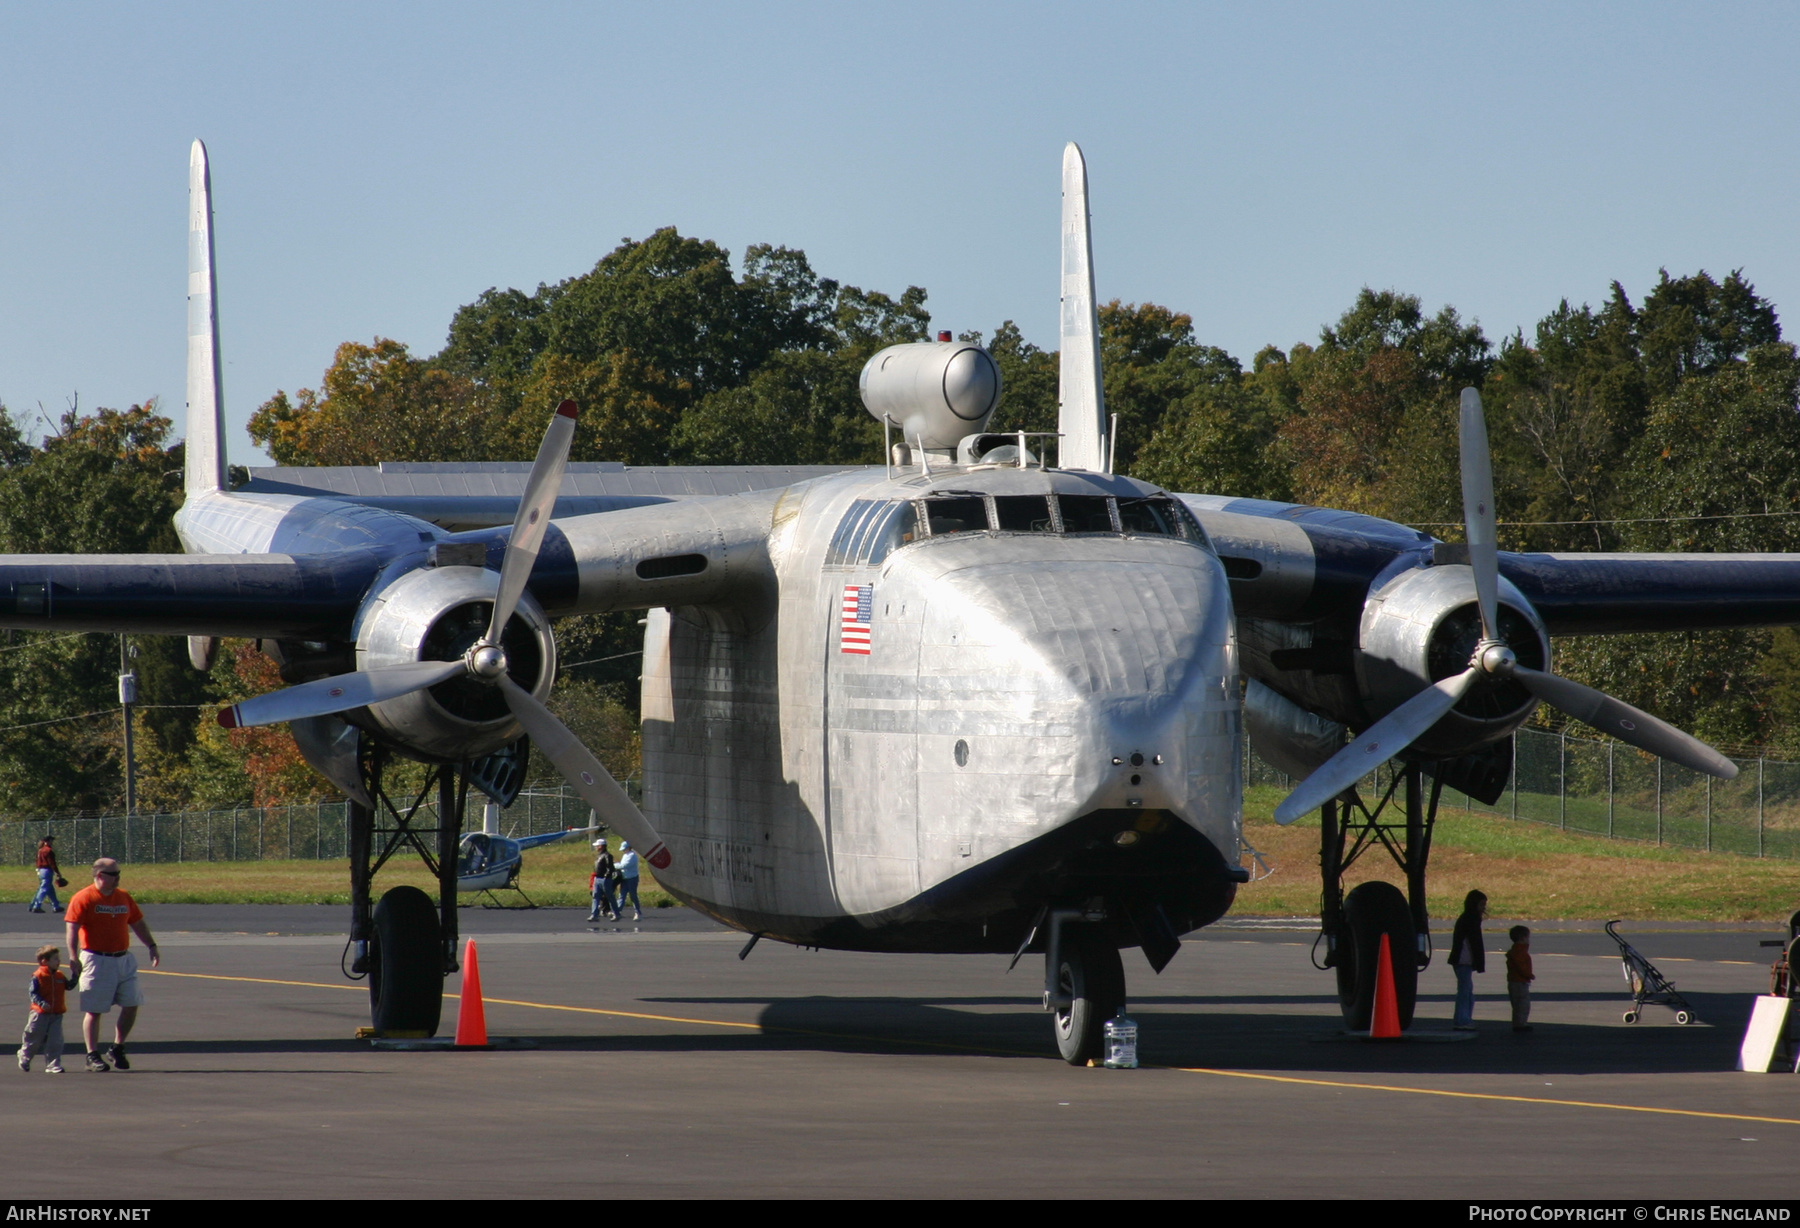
(375, 166)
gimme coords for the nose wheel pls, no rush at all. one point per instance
(1092, 981)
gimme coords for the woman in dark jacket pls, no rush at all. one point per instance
(1467, 957)
(600, 886)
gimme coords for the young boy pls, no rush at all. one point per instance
(1519, 978)
(43, 1028)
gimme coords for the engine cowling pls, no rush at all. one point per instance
(1423, 626)
(935, 391)
(436, 614)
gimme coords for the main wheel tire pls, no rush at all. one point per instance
(406, 981)
(1093, 977)
(1371, 910)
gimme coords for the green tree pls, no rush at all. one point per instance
(105, 482)
(377, 402)
(1373, 425)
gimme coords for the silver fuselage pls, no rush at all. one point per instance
(1025, 697)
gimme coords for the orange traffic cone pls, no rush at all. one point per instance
(1384, 1020)
(471, 1019)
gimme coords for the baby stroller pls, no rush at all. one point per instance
(1647, 984)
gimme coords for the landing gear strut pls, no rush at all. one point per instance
(1352, 924)
(1084, 981)
(405, 945)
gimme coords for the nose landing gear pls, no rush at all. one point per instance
(1084, 983)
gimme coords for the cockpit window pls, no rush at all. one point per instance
(966, 514)
(1153, 516)
(894, 528)
(1023, 514)
(1086, 513)
(842, 553)
(870, 531)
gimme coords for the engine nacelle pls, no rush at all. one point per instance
(936, 391)
(435, 614)
(1422, 626)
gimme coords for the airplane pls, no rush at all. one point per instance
(961, 701)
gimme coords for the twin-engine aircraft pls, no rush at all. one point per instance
(964, 701)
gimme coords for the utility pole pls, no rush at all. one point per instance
(128, 696)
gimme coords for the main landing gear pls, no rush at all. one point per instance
(405, 944)
(1352, 924)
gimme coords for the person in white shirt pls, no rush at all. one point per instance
(628, 880)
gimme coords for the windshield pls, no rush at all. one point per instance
(870, 531)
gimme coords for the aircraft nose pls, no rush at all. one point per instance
(1061, 672)
(1121, 636)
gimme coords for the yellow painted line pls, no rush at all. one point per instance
(597, 1010)
(1432, 1091)
(958, 1048)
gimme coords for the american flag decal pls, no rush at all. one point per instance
(858, 610)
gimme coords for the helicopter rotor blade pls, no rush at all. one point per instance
(1377, 744)
(339, 693)
(579, 767)
(533, 518)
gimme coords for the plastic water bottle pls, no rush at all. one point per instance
(1121, 1043)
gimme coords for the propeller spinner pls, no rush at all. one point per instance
(1492, 658)
(484, 661)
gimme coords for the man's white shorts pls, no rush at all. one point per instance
(108, 981)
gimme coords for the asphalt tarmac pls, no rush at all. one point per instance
(663, 1066)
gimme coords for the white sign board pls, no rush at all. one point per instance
(1768, 1022)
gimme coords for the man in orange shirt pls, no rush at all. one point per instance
(100, 921)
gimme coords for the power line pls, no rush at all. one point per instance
(618, 656)
(1537, 524)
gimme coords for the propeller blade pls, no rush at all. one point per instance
(529, 526)
(339, 693)
(1377, 744)
(581, 769)
(1478, 511)
(1625, 722)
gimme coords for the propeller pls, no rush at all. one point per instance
(1492, 658)
(485, 661)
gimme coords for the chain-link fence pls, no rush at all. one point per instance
(1577, 784)
(315, 832)
(1610, 789)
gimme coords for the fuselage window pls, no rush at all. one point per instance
(1023, 514)
(1153, 517)
(958, 515)
(1086, 513)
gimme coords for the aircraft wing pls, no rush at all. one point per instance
(1301, 564)
(277, 595)
(463, 496)
(1595, 594)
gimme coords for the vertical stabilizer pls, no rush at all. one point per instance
(205, 406)
(1082, 417)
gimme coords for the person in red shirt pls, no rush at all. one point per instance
(100, 921)
(49, 876)
(1519, 977)
(43, 1027)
